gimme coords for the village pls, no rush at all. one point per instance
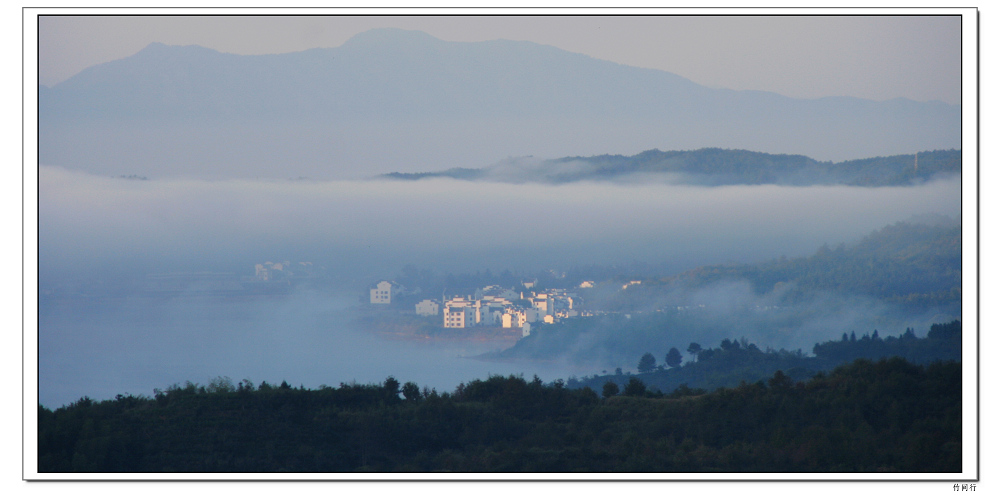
(492, 306)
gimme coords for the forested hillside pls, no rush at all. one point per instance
(739, 360)
(907, 274)
(715, 167)
(913, 264)
(885, 416)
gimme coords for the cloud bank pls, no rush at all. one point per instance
(376, 227)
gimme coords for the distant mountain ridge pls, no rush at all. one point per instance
(714, 166)
(384, 69)
(390, 99)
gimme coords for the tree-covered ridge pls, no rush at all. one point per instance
(715, 166)
(915, 264)
(738, 360)
(906, 274)
(885, 416)
(943, 342)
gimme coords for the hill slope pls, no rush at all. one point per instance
(904, 275)
(714, 167)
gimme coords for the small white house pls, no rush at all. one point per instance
(382, 293)
(525, 329)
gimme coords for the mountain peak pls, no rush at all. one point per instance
(155, 47)
(385, 36)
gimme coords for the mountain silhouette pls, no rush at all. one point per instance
(397, 100)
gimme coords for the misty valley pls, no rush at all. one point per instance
(407, 254)
(657, 300)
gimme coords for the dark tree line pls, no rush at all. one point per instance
(884, 416)
(715, 166)
(738, 360)
(943, 342)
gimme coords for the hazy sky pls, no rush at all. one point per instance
(874, 57)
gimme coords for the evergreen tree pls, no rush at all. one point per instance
(694, 349)
(674, 358)
(647, 363)
(610, 390)
(635, 387)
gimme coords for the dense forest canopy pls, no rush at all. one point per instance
(885, 416)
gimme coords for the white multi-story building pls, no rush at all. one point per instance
(382, 293)
(543, 303)
(506, 320)
(490, 316)
(459, 313)
(532, 315)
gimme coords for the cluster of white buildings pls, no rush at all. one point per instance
(492, 306)
(498, 307)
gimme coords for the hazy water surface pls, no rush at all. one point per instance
(133, 345)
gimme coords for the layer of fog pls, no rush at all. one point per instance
(133, 345)
(369, 229)
(113, 231)
(359, 149)
(731, 309)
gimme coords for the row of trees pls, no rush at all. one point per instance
(885, 416)
(943, 342)
(647, 362)
(738, 360)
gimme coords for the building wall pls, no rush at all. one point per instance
(459, 316)
(454, 318)
(382, 294)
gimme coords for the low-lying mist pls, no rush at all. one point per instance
(110, 232)
(365, 230)
(729, 309)
(133, 345)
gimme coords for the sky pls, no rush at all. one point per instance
(872, 57)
